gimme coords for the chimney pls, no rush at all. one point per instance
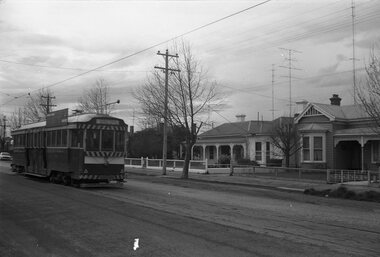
(335, 100)
(240, 117)
(131, 129)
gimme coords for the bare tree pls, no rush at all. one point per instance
(369, 93)
(18, 118)
(96, 99)
(189, 93)
(37, 106)
(285, 138)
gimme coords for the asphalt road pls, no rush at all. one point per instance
(170, 217)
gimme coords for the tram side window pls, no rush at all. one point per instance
(43, 139)
(119, 141)
(64, 137)
(54, 138)
(48, 138)
(76, 138)
(107, 140)
(30, 140)
(92, 140)
(59, 138)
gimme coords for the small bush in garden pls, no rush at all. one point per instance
(245, 161)
(343, 192)
(224, 159)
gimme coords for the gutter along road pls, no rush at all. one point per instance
(172, 217)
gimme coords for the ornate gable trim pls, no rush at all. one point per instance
(312, 110)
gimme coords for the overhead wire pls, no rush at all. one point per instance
(146, 49)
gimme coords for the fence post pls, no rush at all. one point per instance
(369, 177)
(173, 165)
(341, 176)
(254, 169)
(231, 170)
(328, 176)
(189, 165)
(206, 166)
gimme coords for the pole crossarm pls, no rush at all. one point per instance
(164, 69)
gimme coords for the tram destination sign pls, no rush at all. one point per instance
(57, 118)
(107, 122)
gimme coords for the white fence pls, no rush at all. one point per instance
(201, 166)
(343, 176)
(171, 165)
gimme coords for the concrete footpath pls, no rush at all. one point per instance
(297, 185)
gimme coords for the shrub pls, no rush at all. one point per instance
(245, 161)
(224, 159)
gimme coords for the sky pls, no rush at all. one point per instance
(52, 43)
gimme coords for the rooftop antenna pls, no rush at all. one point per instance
(290, 59)
(353, 50)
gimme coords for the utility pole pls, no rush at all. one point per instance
(4, 132)
(48, 102)
(272, 92)
(166, 56)
(290, 68)
(353, 50)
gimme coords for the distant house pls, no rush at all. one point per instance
(338, 137)
(239, 140)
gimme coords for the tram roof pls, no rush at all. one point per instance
(81, 118)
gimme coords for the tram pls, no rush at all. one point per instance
(74, 150)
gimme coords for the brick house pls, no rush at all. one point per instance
(338, 137)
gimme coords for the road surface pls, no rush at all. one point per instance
(153, 216)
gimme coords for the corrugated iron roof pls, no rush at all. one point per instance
(345, 112)
(239, 129)
(356, 131)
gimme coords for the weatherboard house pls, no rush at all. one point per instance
(239, 140)
(338, 137)
(331, 136)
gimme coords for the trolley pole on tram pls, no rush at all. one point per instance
(166, 70)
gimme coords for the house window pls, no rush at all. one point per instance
(318, 149)
(258, 156)
(313, 149)
(267, 152)
(376, 151)
(211, 152)
(306, 148)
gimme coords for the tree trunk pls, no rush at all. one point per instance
(287, 160)
(185, 171)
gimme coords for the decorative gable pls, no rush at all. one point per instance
(315, 113)
(312, 112)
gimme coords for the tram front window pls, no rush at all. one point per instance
(119, 141)
(107, 140)
(76, 138)
(92, 140)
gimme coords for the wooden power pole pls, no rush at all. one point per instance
(48, 103)
(166, 70)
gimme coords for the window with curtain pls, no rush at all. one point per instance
(258, 151)
(318, 149)
(376, 151)
(306, 148)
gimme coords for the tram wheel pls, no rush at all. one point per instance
(52, 177)
(67, 180)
